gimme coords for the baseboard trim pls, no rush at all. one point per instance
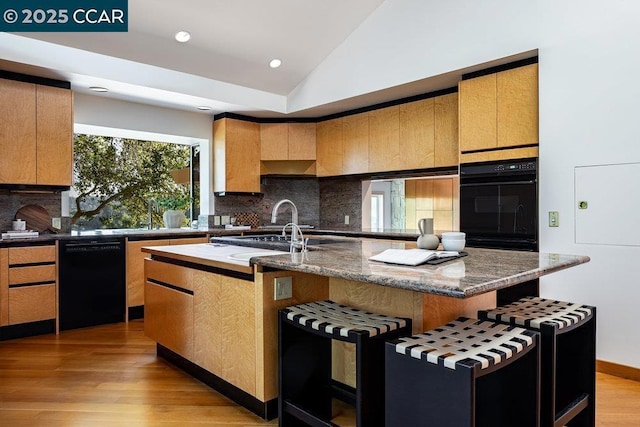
(617, 370)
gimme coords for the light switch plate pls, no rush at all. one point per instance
(282, 288)
(56, 222)
(554, 220)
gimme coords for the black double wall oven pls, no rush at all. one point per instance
(499, 210)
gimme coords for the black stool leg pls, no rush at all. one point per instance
(369, 382)
(305, 374)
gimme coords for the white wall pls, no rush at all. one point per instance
(111, 117)
(589, 91)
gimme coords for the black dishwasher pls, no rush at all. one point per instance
(92, 282)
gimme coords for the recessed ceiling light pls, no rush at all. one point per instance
(275, 63)
(98, 89)
(204, 107)
(183, 36)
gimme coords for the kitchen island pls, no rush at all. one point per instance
(212, 308)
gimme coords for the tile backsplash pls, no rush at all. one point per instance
(321, 203)
(10, 202)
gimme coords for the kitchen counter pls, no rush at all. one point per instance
(482, 271)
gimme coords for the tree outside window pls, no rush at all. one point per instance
(114, 179)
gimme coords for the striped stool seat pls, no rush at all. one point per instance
(467, 373)
(468, 342)
(532, 312)
(306, 385)
(568, 355)
(340, 321)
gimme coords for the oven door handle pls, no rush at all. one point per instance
(478, 184)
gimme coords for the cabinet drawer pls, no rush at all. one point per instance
(180, 277)
(32, 303)
(33, 274)
(169, 318)
(32, 254)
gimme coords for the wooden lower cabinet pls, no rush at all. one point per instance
(135, 264)
(32, 303)
(28, 284)
(168, 299)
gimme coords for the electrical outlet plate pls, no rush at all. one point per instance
(346, 219)
(282, 288)
(56, 222)
(554, 220)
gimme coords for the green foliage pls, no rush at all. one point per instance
(115, 178)
(174, 203)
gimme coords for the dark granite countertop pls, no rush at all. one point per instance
(481, 271)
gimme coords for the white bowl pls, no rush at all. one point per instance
(453, 245)
(453, 235)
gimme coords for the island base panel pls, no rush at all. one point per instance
(265, 410)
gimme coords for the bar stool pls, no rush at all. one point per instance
(306, 387)
(465, 373)
(568, 349)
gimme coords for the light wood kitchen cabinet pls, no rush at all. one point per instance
(36, 138)
(4, 286)
(355, 144)
(236, 156)
(27, 284)
(417, 134)
(135, 265)
(499, 111)
(168, 297)
(287, 141)
(446, 149)
(225, 328)
(274, 141)
(384, 139)
(55, 136)
(329, 143)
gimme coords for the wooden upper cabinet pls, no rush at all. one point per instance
(384, 139)
(54, 162)
(274, 141)
(288, 141)
(478, 114)
(499, 110)
(355, 144)
(446, 130)
(36, 138)
(417, 134)
(329, 142)
(302, 141)
(18, 132)
(517, 107)
(236, 151)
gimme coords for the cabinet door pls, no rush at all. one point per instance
(517, 106)
(355, 144)
(18, 132)
(238, 320)
(32, 303)
(446, 130)
(55, 136)
(417, 134)
(329, 147)
(169, 318)
(135, 269)
(384, 139)
(225, 328)
(478, 118)
(4, 286)
(236, 145)
(302, 141)
(274, 141)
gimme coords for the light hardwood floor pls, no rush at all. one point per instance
(110, 376)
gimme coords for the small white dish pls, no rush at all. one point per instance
(453, 244)
(453, 235)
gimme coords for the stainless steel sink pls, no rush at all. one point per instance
(273, 241)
